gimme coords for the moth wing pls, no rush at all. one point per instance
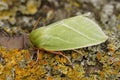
(71, 33)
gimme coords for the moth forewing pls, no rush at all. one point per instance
(72, 33)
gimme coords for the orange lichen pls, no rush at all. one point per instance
(50, 78)
(40, 56)
(44, 62)
(19, 63)
(111, 47)
(31, 8)
(115, 72)
(98, 55)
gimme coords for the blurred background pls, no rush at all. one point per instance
(22, 14)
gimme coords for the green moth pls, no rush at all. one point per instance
(72, 33)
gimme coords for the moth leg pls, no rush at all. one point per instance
(38, 51)
(60, 53)
(79, 52)
(65, 57)
(38, 54)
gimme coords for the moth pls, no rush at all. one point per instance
(68, 34)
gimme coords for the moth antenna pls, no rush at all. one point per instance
(37, 22)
